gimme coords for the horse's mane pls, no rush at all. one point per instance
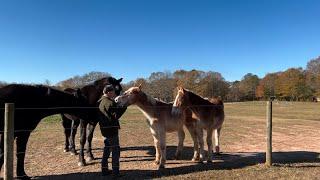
(13, 91)
(152, 100)
(33, 86)
(162, 101)
(203, 101)
(197, 98)
(155, 101)
(99, 84)
(99, 81)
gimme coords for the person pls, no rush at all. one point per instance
(109, 126)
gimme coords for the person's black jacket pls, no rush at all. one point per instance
(109, 114)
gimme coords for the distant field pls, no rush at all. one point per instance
(296, 143)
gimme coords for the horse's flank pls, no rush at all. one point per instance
(211, 112)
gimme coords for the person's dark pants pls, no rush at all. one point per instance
(111, 143)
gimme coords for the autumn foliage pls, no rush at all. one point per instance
(293, 84)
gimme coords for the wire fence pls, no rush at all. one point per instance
(235, 125)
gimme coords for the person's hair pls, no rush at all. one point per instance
(108, 88)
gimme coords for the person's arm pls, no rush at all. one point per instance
(117, 111)
(104, 107)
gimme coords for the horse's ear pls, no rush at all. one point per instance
(77, 93)
(180, 89)
(119, 80)
(49, 91)
(183, 90)
(140, 86)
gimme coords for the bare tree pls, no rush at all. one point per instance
(80, 81)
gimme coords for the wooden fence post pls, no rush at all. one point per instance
(269, 132)
(8, 141)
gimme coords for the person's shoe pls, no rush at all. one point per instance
(105, 172)
(116, 175)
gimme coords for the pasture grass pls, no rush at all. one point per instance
(296, 146)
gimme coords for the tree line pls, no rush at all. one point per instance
(293, 84)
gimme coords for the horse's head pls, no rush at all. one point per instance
(129, 97)
(101, 83)
(116, 85)
(181, 102)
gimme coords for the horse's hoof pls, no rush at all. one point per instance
(177, 157)
(73, 153)
(217, 148)
(23, 177)
(195, 159)
(89, 159)
(201, 160)
(66, 150)
(161, 167)
(81, 164)
(156, 162)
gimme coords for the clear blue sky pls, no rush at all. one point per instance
(57, 39)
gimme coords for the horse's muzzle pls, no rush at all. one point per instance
(120, 101)
(116, 99)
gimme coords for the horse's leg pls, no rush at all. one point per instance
(21, 143)
(156, 141)
(209, 143)
(217, 140)
(181, 136)
(72, 146)
(201, 143)
(163, 155)
(1, 150)
(90, 131)
(83, 136)
(193, 132)
(66, 123)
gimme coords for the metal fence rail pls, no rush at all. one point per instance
(9, 135)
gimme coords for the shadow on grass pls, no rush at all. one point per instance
(225, 161)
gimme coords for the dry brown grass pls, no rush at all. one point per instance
(296, 145)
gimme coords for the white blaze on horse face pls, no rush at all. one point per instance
(122, 100)
(180, 94)
(175, 104)
(117, 99)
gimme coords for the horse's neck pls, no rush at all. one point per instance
(198, 104)
(147, 105)
(93, 94)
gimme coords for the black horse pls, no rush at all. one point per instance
(92, 92)
(32, 104)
